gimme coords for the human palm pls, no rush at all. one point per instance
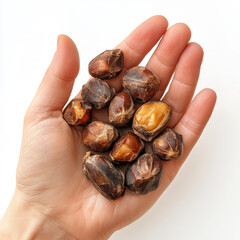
(49, 174)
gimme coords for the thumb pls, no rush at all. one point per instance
(57, 84)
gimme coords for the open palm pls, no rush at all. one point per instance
(49, 175)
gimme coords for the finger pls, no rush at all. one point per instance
(164, 59)
(184, 82)
(58, 81)
(139, 43)
(190, 127)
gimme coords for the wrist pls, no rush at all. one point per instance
(23, 221)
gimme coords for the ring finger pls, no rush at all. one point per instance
(184, 82)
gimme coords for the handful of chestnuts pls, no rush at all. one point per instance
(117, 156)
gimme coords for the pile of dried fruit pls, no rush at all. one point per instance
(134, 122)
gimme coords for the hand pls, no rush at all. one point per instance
(50, 182)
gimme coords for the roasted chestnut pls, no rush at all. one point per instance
(99, 136)
(107, 64)
(144, 174)
(127, 148)
(141, 83)
(105, 177)
(168, 145)
(77, 112)
(97, 92)
(150, 119)
(121, 109)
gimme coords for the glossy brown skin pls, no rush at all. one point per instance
(141, 83)
(99, 136)
(141, 130)
(105, 177)
(107, 64)
(143, 176)
(121, 109)
(169, 145)
(77, 112)
(127, 148)
(97, 92)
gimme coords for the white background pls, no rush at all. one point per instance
(203, 202)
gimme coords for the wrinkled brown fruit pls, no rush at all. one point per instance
(77, 112)
(169, 145)
(141, 83)
(121, 109)
(106, 178)
(144, 174)
(127, 148)
(107, 64)
(150, 119)
(99, 136)
(97, 92)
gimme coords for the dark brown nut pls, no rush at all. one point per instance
(127, 148)
(150, 119)
(121, 109)
(77, 112)
(107, 64)
(141, 83)
(144, 175)
(99, 136)
(105, 177)
(169, 145)
(97, 92)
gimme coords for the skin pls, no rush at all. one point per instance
(52, 195)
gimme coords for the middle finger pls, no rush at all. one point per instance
(164, 59)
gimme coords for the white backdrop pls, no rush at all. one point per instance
(203, 202)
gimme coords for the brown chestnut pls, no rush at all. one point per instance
(168, 145)
(105, 177)
(77, 112)
(144, 174)
(127, 148)
(141, 83)
(107, 64)
(150, 119)
(99, 136)
(97, 92)
(121, 109)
